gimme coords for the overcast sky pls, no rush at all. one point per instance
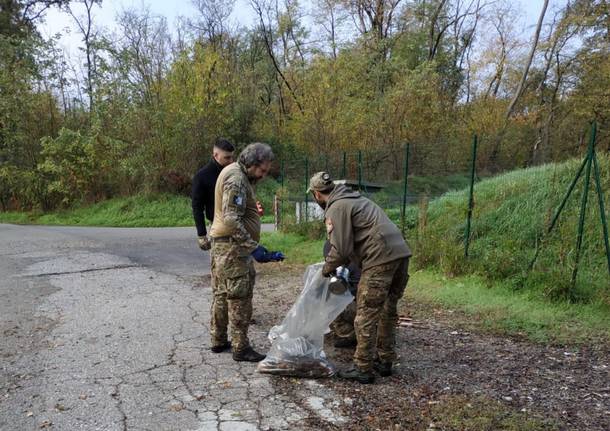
(59, 22)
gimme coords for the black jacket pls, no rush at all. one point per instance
(202, 194)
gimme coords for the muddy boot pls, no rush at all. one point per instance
(344, 342)
(384, 369)
(221, 347)
(248, 355)
(355, 373)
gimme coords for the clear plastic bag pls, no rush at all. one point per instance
(297, 343)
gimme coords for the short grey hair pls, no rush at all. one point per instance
(256, 154)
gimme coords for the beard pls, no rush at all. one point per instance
(253, 180)
(321, 204)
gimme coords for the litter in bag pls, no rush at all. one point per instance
(297, 343)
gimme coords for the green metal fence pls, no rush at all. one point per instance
(397, 180)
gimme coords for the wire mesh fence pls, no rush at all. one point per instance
(403, 177)
(395, 178)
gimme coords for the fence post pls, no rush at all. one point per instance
(404, 192)
(344, 173)
(558, 212)
(306, 185)
(583, 204)
(602, 208)
(471, 196)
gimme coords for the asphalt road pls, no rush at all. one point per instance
(107, 329)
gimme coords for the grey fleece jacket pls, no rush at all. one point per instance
(359, 231)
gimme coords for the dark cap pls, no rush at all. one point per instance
(321, 182)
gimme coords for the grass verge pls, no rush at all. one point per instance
(136, 211)
(499, 309)
(297, 249)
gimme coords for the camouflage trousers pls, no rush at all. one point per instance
(233, 277)
(379, 291)
(343, 325)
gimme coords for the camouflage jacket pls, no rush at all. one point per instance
(235, 213)
(359, 231)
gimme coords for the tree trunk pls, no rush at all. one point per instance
(528, 64)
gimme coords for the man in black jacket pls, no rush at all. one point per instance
(204, 183)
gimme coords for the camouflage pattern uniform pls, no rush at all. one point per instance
(235, 234)
(361, 233)
(379, 291)
(343, 325)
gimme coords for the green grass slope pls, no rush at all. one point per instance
(511, 211)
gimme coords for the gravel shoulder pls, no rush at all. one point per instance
(451, 378)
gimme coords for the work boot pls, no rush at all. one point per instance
(221, 347)
(343, 342)
(248, 355)
(355, 373)
(384, 369)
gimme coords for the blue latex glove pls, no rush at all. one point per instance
(260, 254)
(276, 256)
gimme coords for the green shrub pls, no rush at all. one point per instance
(79, 167)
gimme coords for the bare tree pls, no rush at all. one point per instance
(212, 20)
(85, 26)
(528, 62)
(453, 15)
(502, 19)
(330, 14)
(557, 62)
(33, 10)
(375, 18)
(263, 11)
(146, 46)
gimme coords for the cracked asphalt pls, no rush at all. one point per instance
(107, 329)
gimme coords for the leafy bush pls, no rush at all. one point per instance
(79, 167)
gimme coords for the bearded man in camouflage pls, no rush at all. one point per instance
(235, 236)
(359, 231)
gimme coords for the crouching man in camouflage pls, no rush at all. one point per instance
(235, 234)
(360, 232)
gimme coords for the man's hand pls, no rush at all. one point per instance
(327, 270)
(276, 256)
(204, 242)
(259, 208)
(262, 255)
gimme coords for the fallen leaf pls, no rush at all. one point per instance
(176, 407)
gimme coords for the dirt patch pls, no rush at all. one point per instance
(450, 377)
